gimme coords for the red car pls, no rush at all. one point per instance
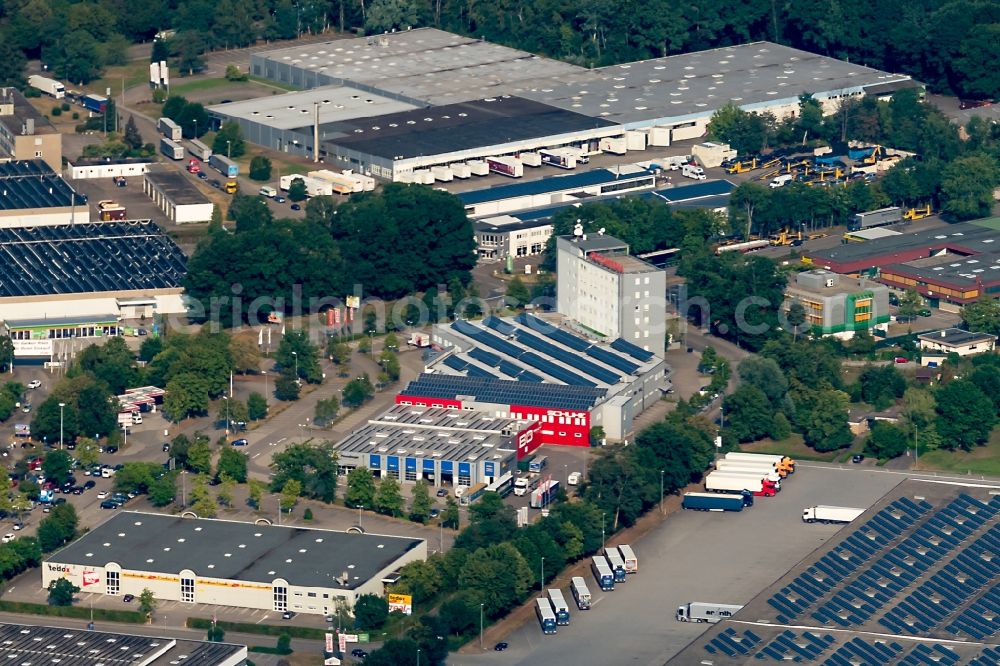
(902, 359)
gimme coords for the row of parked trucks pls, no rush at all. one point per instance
(612, 567)
(737, 479)
(327, 183)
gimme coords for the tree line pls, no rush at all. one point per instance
(950, 45)
(401, 240)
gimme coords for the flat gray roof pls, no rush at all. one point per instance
(448, 434)
(296, 109)
(969, 237)
(33, 644)
(425, 64)
(953, 269)
(955, 336)
(179, 189)
(695, 84)
(231, 550)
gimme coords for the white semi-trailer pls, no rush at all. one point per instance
(697, 611)
(721, 483)
(735, 466)
(830, 514)
(50, 87)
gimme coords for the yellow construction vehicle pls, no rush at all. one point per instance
(786, 237)
(918, 213)
(771, 163)
(875, 156)
(742, 166)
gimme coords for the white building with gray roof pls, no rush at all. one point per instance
(228, 563)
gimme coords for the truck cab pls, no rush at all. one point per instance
(231, 187)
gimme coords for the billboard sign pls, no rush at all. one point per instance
(401, 602)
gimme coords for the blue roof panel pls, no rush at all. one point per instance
(708, 188)
(505, 392)
(550, 184)
(635, 351)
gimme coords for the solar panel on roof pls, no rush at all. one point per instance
(475, 371)
(570, 359)
(509, 368)
(455, 363)
(636, 352)
(500, 325)
(613, 360)
(484, 356)
(553, 370)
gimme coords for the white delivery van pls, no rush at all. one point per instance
(268, 191)
(136, 418)
(781, 181)
(693, 171)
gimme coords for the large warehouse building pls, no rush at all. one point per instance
(63, 284)
(911, 582)
(438, 445)
(32, 195)
(225, 563)
(949, 266)
(643, 104)
(528, 368)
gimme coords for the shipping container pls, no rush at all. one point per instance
(478, 167)
(530, 159)
(460, 170)
(224, 165)
(170, 129)
(616, 145)
(199, 150)
(506, 166)
(171, 149)
(442, 174)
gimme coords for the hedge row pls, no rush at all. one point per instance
(79, 612)
(309, 633)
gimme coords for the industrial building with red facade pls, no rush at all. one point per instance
(949, 266)
(529, 368)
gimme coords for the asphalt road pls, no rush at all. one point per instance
(696, 556)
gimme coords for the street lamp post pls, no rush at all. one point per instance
(226, 398)
(602, 528)
(229, 151)
(264, 372)
(541, 583)
(296, 355)
(61, 406)
(361, 507)
(661, 492)
(418, 656)
(481, 627)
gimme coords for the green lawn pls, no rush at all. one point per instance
(983, 460)
(793, 447)
(273, 84)
(198, 85)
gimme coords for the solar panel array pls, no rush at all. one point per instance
(504, 392)
(32, 184)
(84, 258)
(636, 352)
(731, 643)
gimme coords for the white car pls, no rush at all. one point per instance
(34, 383)
(7, 538)
(102, 495)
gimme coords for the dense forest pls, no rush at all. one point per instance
(951, 46)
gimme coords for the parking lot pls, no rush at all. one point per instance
(695, 556)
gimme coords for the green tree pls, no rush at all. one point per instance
(173, 106)
(199, 457)
(450, 516)
(360, 488)
(260, 168)
(370, 611)
(517, 293)
(967, 186)
(136, 477)
(826, 425)
(764, 374)
(744, 131)
(57, 466)
(233, 73)
(314, 466)
(965, 415)
(226, 487)
(231, 412)
(339, 352)
(77, 57)
(12, 63)
(886, 441)
(390, 16)
(233, 464)
(132, 136)
(147, 602)
(420, 502)
(881, 386)
(229, 140)
(194, 120)
(255, 492)
(982, 316)
(290, 493)
(358, 391)
(326, 410)
(58, 528)
(286, 387)
(6, 348)
(460, 614)
(796, 317)
(297, 190)
(749, 415)
(780, 427)
(256, 407)
(61, 592)
(420, 578)
(87, 452)
(215, 634)
(390, 365)
(202, 502)
(163, 490)
(389, 497)
(910, 303)
(745, 200)
(499, 574)
(189, 47)
(297, 354)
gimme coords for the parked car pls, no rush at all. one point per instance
(901, 359)
(442, 492)
(89, 485)
(128, 598)
(102, 495)
(240, 442)
(202, 175)
(359, 653)
(108, 504)
(34, 383)
(295, 206)
(20, 526)
(7, 538)
(288, 615)
(924, 312)
(501, 646)
(279, 199)
(857, 458)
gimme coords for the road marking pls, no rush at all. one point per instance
(255, 455)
